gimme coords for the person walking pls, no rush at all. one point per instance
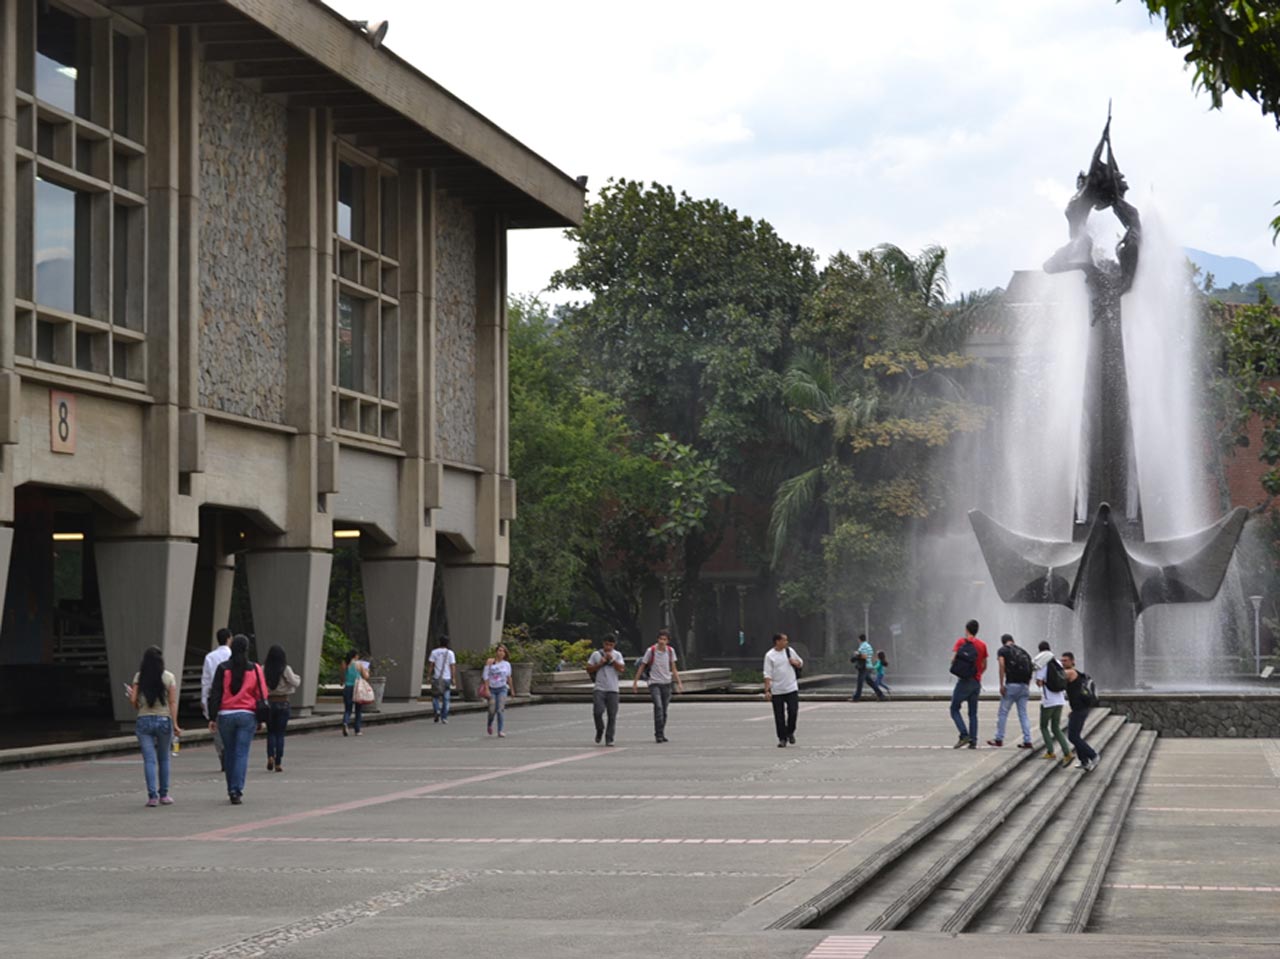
(497, 673)
(1081, 697)
(659, 662)
(968, 661)
(863, 658)
(154, 694)
(212, 660)
(1015, 689)
(1051, 702)
(237, 686)
(282, 682)
(875, 676)
(782, 688)
(605, 666)
(354, 669)
(443, 662)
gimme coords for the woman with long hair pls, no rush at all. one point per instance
(355, 670)
(237, 686)
(282, 682)
(154, 694)
(497, 673)
(876, 675)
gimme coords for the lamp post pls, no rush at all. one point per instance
(1257, 633)
(866, 620)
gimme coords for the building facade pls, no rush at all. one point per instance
(252, 293)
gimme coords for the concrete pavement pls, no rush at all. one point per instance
(418, 837)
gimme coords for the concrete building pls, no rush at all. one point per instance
(252, 287)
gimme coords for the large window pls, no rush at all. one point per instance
(81, 169)
(367, 305)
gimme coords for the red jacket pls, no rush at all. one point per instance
(222, 699)
(982, 653)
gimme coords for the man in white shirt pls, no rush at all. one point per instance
(1051, 704)
(782, 688)
(442, 663)
(660, 660)
(605, 665)
(215, 658)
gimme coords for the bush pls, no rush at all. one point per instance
(332, 650)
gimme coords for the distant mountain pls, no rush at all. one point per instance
(1226, 269)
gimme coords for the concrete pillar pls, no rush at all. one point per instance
(288, 590)
(475, 598)
(145, 586)
(6, 553)
(397, 601)
(211, 595)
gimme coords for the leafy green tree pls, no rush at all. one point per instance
(867, 397)
(1251, 337)
(1233, 47)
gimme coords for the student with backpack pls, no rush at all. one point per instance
(1082, 697)
(657, 668)
(1015, 689)
(968, 661)
(1052, 680)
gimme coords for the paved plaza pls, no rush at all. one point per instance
(418, 839)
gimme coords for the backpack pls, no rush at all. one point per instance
(1017, 664)
(965, 663)
(1055, 677)
(1088, 692)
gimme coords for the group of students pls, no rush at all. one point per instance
(1061, 684)
(238, 697)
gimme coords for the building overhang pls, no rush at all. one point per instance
(308, 55)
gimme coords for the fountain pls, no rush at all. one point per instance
(1108, 572)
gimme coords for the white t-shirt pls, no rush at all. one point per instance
(497, 675)
(442, 661)
(1050, 697)
(660, 664)
(779, 671)
(606, 677)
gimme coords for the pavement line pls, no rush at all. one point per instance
(1263, 810)
(1271, 751)
(844, 947)
(290, 818)
(803, 709)
(707, 798)
(508, 840)
(1188, 888)
(1208, 786)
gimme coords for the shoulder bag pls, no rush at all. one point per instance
(362, 694)
(261, 709)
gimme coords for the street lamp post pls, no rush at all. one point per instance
(866, 620)
(1257, 633)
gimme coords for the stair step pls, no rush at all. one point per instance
(1070, 903)
(905, 883)
(1016, 906)
(986, 872)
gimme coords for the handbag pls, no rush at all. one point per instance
(261, 708)
(483, 690)
(362, 694)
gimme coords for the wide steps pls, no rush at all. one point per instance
(1027, 852)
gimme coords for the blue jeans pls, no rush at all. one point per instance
(966, 690)
(155, 736)
(660, 693)
(236, 730)
(1075, 732)
(876, 684)
(1015, 694)
(277, 723)
(440, 695)
(348, 704)
(498, 705)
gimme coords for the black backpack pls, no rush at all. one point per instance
(1088, 694)
(965, 663)
(1055, 677)
(1017, 664)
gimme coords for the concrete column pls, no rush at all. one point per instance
(397, 599)
(146, 601)
(8, 176)
(288, 590)
(211, 597)
(6, 553)
(475, 599)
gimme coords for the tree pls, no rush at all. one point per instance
(867, 397)
(687, 325)
(1251, 337)
(1233, 46)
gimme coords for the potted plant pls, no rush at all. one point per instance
(470, 669)
(379, 666)
(522, 667)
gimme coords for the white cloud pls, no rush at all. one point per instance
(848, 125)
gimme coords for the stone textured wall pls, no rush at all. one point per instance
(1208, 715)
(455, 330)
(243, 339)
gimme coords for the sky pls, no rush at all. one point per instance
(846, 125)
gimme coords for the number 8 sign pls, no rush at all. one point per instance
(62, 422)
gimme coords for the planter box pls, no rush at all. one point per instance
(521, 678)
(470, 679)
(379, 684)
(553, 682)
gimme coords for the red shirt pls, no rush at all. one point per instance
(982, 652)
